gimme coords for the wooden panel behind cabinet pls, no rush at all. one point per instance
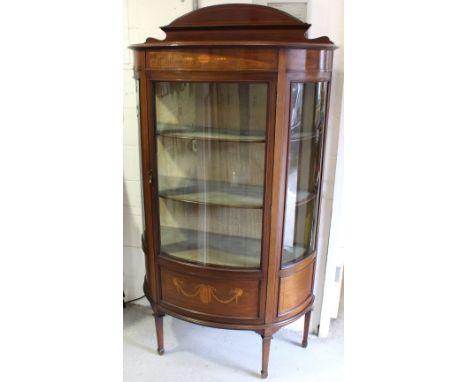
(295, 289)
(213, 296)
(214, 59)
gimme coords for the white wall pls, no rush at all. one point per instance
(142, 20)
(326, 17)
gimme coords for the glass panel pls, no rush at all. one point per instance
(211, 141)
(307, 122)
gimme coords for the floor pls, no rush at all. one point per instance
(206, 354)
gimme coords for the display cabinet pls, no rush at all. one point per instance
(232, 110)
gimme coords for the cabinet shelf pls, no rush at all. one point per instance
(294, 254)
(219, 194)
(210, 134)
(211, 248)
(212, 193)
(295, 137)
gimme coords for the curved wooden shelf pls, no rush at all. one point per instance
(304, 136)
(221, 198)
(221, 135)
(191, 199)
(218, 194)
(219, 138)
(290, 258)
(306, 198)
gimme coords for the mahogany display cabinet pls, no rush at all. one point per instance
(233, 111)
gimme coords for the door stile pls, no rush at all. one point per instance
(145, 147)
(278, 186)
(266, 77)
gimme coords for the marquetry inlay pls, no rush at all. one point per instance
(214, 59)
(206, 292)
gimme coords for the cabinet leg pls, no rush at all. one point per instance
(305, 335)
(159, 333)
(265, 354)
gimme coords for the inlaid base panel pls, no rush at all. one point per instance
(211, 296)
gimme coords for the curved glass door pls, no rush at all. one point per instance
(307, 123)
(211, 139)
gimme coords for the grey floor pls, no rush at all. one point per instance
(196, 353)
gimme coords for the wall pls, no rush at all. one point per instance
(142, 19)
(326, 18)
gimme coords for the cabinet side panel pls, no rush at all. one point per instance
(295, 289)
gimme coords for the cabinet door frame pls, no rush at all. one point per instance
(219, 76)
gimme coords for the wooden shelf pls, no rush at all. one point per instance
(293, 254)
(210, 134)
(217, 193)
(210, 248)
(211, 193)
(304, 198)
(304, 136)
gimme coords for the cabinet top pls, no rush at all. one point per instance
(236, 25)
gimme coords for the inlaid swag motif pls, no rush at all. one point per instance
(207, 292)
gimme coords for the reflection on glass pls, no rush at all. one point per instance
(307, 122)
(210, 153)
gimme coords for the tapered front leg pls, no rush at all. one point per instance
(159, 332)
(305, 335)
(266, 340)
